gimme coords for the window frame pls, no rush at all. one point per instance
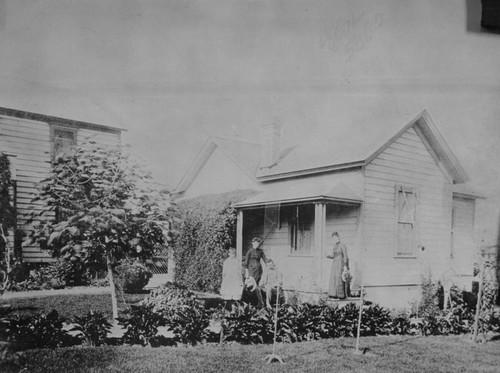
(293, 229)
(408, 189)
(53, 131)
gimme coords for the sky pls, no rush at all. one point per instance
(173, 73)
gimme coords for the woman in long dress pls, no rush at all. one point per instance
(337, 287)
(232, 283)
(253, 266)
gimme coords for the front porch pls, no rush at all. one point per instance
(296, 230)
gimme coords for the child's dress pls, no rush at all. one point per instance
(232, 283)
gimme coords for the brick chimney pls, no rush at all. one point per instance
(270, 140)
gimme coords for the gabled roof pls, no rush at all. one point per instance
(245, 155)
(352, 145)
(356, 144)
(341, 187)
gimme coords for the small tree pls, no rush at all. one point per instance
(98, 205)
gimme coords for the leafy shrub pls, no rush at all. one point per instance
(429, 297)
(311, 322)
(189, 323)
(99, 282)
(55, 275)
(287, 330)
(245, 324)
(142, 325)
(456, 320)
(167, 298)
(19, 272)
(94, 327)
(375, 320)
(66, 272)
(306, 322)
(206, 230)
(133, 276)
(43, 331)
(185, 315)
(459, 319)
(495, 322)
(401, 325)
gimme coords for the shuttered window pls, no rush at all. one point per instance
(406, 201)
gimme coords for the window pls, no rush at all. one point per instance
(301, 222)
(406, 202)
(63, 138)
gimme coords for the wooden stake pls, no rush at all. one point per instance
(273, 357)
(358, 333)
(478, 304)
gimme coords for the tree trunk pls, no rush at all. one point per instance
(114, 302)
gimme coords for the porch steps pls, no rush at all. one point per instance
(343, 302)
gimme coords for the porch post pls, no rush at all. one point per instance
(319, 238)
(239, 235)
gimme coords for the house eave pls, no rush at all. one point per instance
(294, 201)
(36, 117)
(312, 171)
(467, 195)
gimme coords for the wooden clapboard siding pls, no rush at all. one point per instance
(462, 226)
(29, 140)
(406, 161)
(344, 220)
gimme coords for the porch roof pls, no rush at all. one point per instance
(345, 189)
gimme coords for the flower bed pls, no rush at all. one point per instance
(178, 310)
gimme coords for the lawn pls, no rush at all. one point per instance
(384, 354)
(69, 305)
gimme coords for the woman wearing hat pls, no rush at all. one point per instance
(252, 265)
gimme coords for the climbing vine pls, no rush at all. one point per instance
(207, 229)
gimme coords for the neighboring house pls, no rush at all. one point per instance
(393, 189)
(30, 141)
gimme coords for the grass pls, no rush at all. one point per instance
(385, 354)
(69, 305)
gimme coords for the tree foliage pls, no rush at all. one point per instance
(97, 203)
(206, 231)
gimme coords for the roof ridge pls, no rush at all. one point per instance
(232, 139)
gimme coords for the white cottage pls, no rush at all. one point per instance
(393, 190)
